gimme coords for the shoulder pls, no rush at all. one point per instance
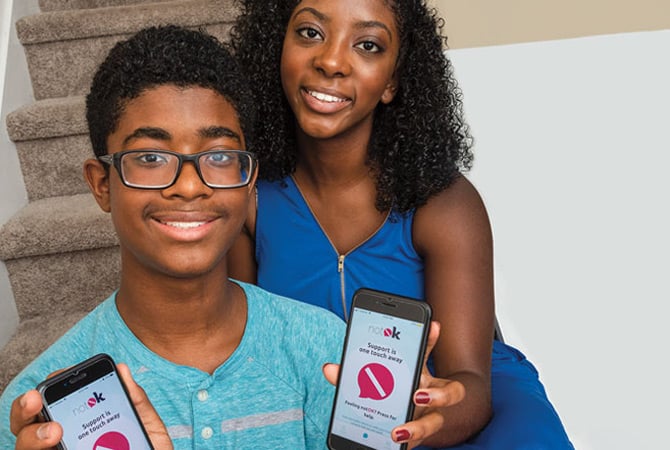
(71, 348)
(455, 215)
(295, 313)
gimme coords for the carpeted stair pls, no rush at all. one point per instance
(60, 250)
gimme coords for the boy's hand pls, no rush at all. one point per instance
(431, 399)
(32, 434)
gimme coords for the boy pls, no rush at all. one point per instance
(225, 364)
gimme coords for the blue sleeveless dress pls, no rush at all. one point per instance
(296, 259)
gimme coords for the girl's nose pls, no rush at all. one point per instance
(333, 59)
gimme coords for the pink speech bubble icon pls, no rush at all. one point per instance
(375, 382)
(112, 441)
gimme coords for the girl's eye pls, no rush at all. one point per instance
(309, 33)
(369, 47)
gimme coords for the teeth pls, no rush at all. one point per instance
(326, 97)
(184, 225)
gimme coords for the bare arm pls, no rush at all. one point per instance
(241, 256)
(452, 233)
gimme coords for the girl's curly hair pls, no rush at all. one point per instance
(420, 141)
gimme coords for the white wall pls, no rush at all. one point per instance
(15, 91)
(573, 161)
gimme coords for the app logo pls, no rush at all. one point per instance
(112, 441)
(91, 402)
(375, 382)
(393, 333)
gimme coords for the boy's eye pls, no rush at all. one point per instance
(150, 159)
(218, 159)
(369, 47)
(309, 33)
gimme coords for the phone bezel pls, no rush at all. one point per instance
(76, 377)
(393, 305)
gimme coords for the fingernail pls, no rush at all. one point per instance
(422, 398)
(22, 401)
(401, 435)
(43, 432)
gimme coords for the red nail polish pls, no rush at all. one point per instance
(422, 398)
(401, 435)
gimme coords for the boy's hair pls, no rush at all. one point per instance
(157, 56)
(420, 141)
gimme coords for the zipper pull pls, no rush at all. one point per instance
(340, 263)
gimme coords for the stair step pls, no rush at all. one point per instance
(71, 281)
(52, 143)
(60, 5)
(54, 225)
(48, 118)
(30, 339)
(64, 48)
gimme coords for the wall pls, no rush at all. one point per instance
(15, 91)
(475, 23)
(572, 152)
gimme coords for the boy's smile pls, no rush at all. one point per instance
(183, 230)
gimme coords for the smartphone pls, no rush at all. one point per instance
(380, 369)
(92, 405)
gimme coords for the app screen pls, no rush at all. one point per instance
(99, 417)
(377, 375)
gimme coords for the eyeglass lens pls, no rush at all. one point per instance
(156, 168)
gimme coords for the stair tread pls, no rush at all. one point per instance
(86, 23)
(59, 5)
(53, 117)
(55, 225)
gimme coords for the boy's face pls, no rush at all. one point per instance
(184, 230)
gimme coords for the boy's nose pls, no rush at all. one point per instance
(188, 183)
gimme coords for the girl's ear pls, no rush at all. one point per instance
(390, 90)
(97, 177)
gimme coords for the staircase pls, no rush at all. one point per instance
(60, 250)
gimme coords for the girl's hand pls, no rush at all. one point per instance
(432, 398)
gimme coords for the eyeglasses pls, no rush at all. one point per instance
(159, 169)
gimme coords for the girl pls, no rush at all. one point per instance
(361, 146)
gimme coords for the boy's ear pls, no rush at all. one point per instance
(97, 177)
(254, 178)
(389, 92)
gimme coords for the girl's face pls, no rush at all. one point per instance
(338, 62)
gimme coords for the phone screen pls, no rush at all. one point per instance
(97, 415)
(376, 378)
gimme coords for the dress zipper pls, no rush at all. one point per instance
(340, 258)
(340, 270)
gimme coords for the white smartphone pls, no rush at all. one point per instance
(92, 405)
(381, 365)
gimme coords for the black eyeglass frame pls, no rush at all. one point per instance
(115, 160)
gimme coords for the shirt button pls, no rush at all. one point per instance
(203, 395)
(206, 433)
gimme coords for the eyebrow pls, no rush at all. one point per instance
(218, 131)
(161, 134)
(149, 132)
(359, 25)
(374, 24)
